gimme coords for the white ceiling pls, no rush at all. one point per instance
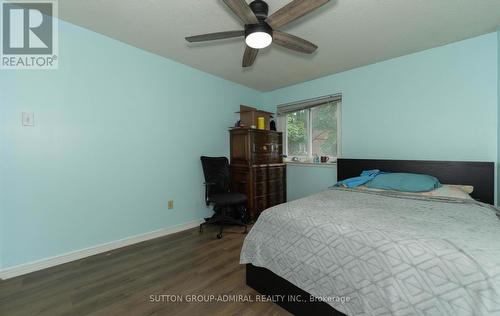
(349, 33)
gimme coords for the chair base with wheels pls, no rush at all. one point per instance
(223, 219)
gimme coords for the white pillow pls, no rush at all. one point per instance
(452, 191)
(446, 190)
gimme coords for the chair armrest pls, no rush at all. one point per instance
(207, 184)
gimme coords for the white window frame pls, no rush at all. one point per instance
(282, 125)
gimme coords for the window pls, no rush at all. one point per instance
(297, 130)
(324, 129)
(311, 128)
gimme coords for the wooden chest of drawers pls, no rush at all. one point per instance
(257, 161)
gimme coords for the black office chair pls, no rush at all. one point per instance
(218, 192)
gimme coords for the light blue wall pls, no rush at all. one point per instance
(437, 104)
(305, 180)
(118, 133)
(498, 127)
(2, 162)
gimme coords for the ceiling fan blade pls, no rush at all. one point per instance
(293, 11)
(242, 10)
(249, 56)
(293, 42)
(214, 36)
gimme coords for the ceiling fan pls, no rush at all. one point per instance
(262, 30)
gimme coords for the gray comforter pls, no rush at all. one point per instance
(387, 254)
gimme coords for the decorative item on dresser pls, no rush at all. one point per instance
(257, 159)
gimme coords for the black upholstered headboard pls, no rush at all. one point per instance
(478, 174)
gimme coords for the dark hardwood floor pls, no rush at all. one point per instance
(121, 282)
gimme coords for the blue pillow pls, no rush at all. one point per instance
(405, 182)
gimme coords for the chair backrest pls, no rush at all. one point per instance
(216, 171)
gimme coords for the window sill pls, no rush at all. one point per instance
(312, 164)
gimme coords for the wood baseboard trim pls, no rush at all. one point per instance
(26, 268)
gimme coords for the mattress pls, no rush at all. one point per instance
(376, 253)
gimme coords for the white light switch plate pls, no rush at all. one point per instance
(28, 119)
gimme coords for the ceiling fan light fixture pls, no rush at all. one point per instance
(259, 40)
(258, 36)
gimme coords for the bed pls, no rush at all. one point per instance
(342, 251)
